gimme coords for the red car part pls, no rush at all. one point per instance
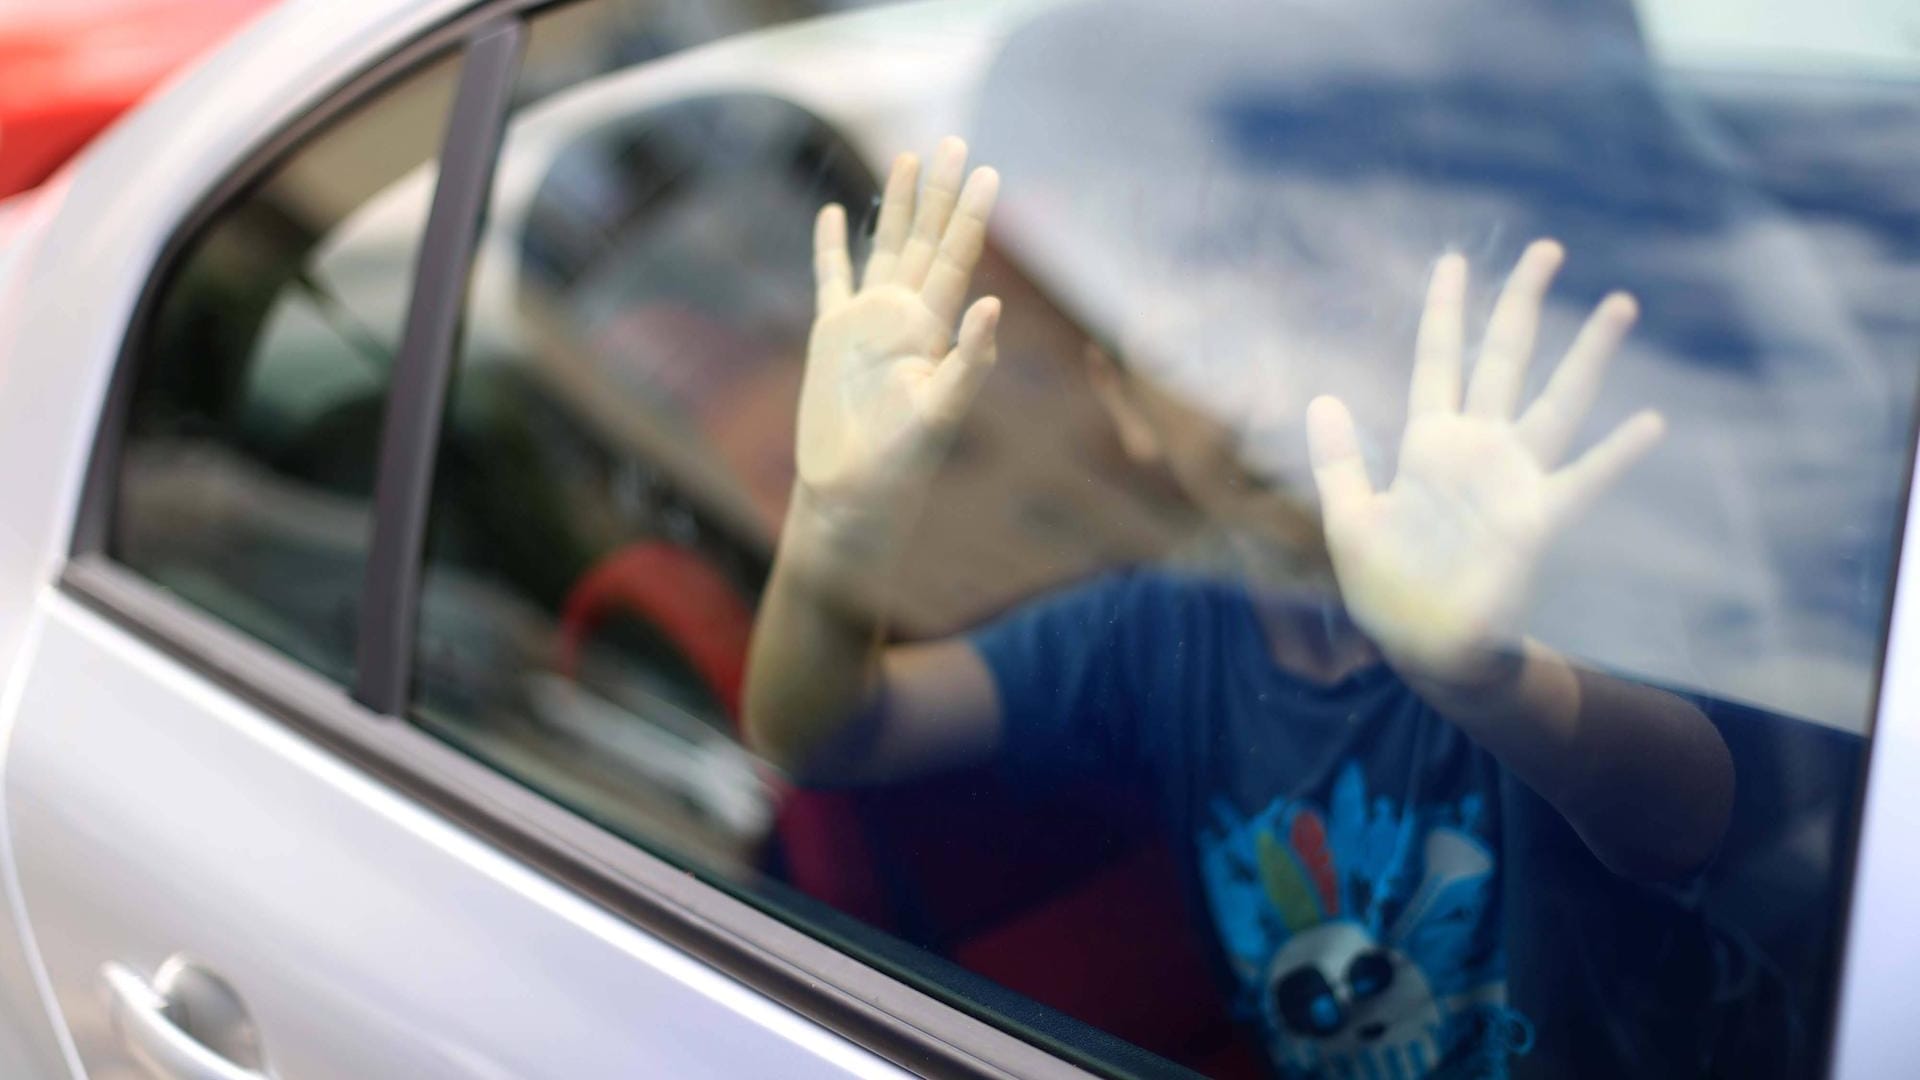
(68, 69)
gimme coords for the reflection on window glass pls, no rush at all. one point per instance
(1329, 540)
(248, 473)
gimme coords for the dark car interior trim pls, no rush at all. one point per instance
(410, 431)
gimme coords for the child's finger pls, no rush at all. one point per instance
(1574, 488)
(1338, 469)
(936, 206)
(960, 247)
(957, 379)
(1436, 352)
(832, 266)
(1501, 370)
(1549, 424)
(896, 216)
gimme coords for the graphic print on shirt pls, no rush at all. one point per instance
(1364, 935)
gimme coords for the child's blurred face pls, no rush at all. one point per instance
(1208, 458)
(1206, 388)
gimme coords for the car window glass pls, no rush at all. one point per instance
(1403, 594)
(247, 478)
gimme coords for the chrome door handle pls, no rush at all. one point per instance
(155, 1021)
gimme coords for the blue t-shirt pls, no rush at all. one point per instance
(1344, 840)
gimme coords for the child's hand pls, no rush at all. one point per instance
(885, 383)
(1437, 568)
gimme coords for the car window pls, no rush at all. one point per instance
(1374, 562)
(247, 476)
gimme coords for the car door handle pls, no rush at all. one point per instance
(144, 1014)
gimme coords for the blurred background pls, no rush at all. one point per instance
(67, 69)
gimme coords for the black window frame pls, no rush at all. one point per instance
(366, 724)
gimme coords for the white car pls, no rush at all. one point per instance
(396, 416)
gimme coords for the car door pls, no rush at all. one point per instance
(407, 462)
(229, 865)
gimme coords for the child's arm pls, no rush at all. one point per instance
(1437, 569)
(1640, 774)
(885, 386)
